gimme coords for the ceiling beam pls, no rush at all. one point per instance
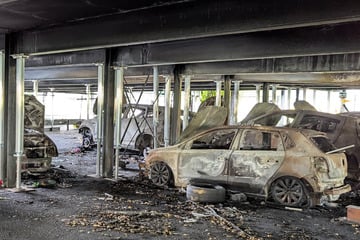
(174, 22)
(319, 40)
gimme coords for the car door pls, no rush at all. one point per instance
(205, 158)
(255, 160)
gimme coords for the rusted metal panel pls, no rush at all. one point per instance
(353, 213)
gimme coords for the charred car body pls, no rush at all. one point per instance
(136, 128)
(288, 166)
(342, 130)
(38, 147)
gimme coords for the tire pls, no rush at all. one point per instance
(205, 193)
(144, 141)
(161, 174)
(290, 191)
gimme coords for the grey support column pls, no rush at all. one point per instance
(35, 87)
(273, 90)
(265, 92)
(289, 98)
(187, 97)
(167, 111)
(19, 122)
(2, 117)
(119, 84)
(328, 100)
(258, 93)
(100, 117)
(88, 100)
(235, 105)
(156, 104)
(175, 119)
(218, 93)
(227, 96)
(108, 146)
(304, 94)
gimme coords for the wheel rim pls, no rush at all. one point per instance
(288, 191)
(160, 174)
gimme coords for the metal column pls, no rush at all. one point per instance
(156, 104)
(273, 90)
(289, 98)
(227, 96)
(2, 117)
(187, 97)
(175, 118)
(35, 87)
(88, 99)
(235, 105)
(258, 95)
(119, 84)
(167, 111)
(265, 92)
(218, 93)
(108, 141)
(19, 122)
(100, 103)
(304, 93)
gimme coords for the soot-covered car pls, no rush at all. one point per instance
(288, 166)
(38, 147)
(343, 130)
(136, 128)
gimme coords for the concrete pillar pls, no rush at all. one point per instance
(304, 93)
(314, 97)
(273, 90)
(289, 98)
(258, 93)
(218, 93)
(235, 100)
(2, 117)
(283, 99)
(35, 87)
(108, 143)
(175, 119)
(52, 94)
(328, 100)
(297, 94)
(227, 96)
(119, 79)
(265, 92)
(156, 104)
(10, 109)
(187, 97)
(88, 101)
(19, 113)
(167, 111)
(100, 117)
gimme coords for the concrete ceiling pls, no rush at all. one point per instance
(292, 43)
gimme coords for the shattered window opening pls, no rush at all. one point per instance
(323, 143)
(215, 140)
(319, 123)
(258, 140)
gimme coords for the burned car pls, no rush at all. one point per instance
(342, 129)
(288, 166)
(38, 147)
(136, 128)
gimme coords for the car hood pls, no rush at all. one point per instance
(208, 117)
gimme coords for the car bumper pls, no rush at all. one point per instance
(334, 193)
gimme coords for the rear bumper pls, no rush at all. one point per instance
(334, 193)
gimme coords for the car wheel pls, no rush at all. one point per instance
(160, 174)
(289, 191)
(144, 141)
(205, 193)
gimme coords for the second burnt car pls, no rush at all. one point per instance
(288, 166)
(343, 129)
